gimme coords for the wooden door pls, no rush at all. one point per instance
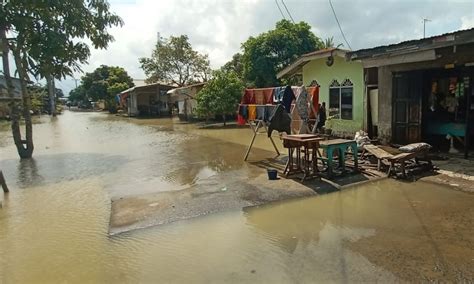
(406, 120)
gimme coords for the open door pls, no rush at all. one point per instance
(406, 120)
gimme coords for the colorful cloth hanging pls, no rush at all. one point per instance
(252, 112)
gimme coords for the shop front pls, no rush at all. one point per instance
(424, 89)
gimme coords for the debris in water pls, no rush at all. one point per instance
(224, 189)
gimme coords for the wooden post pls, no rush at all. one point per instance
(3, 183)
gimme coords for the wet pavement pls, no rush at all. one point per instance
(54, 225)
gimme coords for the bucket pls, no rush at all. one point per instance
(272, 174)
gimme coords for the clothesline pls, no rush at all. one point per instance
(284, 109)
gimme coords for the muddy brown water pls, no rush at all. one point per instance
(54, 223)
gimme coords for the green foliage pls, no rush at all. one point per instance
(105, 82)
(235, 65)
(78, 95)
(175, 62)
(271, 51)
(50, 34)
(328, 42)
(220, 95)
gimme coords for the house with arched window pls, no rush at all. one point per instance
(341, 84)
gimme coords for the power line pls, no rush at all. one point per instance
(286, 8)
(276, 2)
(339, 25)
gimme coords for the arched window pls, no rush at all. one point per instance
(314, 83)
(341, 99)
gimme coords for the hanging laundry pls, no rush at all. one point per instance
(259, 97)
(268, 95)
(252, 112)
(288, 98)
(313, 92)
(280, 121)
(243, 111)
(268, 112)
(278, 94)
(240, 120)
(261, 112)
(249, 97)
(302, 103)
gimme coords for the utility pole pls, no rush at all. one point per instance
(424, 26)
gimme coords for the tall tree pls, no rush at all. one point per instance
(265, 55)
(105, 82)
(174, 61)
(235, 65)
(46, 40)
(220, 95)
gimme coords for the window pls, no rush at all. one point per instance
(340, 99)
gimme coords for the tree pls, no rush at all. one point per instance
(78, 95)
(265, 55)
(328, 42)
(235, 65)
(47, 42)
(220, 95)
(175, 62)
(104, 83)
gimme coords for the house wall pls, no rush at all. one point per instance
(340, 70)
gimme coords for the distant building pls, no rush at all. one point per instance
(146, 100)
(184, 98)
(5, 98)
(4, 91)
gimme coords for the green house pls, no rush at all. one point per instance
(341, 85)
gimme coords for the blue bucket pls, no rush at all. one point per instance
(272, 174)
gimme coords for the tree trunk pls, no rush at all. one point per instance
(51, 92)
(15, 112)
(223, 116)
(22, 67)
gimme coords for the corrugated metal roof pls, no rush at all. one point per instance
(447, 39)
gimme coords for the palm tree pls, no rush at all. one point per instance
(329, 43)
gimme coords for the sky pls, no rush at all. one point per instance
(218, 27)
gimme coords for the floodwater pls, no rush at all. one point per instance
(54, 222)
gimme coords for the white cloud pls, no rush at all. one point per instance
(467, 22)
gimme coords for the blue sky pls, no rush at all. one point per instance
(219, 27)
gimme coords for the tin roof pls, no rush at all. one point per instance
(447, 39)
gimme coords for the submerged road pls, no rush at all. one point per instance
(54, 224)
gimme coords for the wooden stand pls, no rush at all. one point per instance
(255, 129)
(308, 145)
(3, 182)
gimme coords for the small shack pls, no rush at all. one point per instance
(148, 100)
(184, 98)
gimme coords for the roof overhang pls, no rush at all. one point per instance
(296, 67)
(417, 56)
(411, 51)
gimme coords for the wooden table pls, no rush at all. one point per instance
(340, 145)
(308, 145)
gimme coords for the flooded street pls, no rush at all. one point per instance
(54, 224)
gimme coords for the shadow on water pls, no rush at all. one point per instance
(49, 169)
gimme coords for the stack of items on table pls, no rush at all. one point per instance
(274, 105)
